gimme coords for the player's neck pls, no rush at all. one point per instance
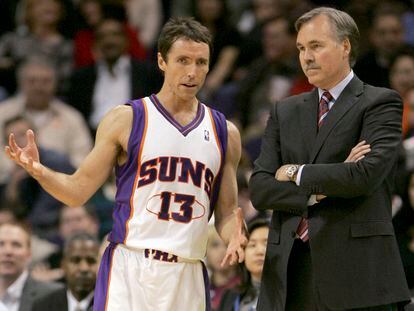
(176, 104)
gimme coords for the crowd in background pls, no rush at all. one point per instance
(65, 63)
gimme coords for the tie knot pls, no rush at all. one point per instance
(326, 97)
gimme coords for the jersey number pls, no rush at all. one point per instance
(186, 208)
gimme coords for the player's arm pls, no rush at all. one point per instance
(77, 188)
(229, 220)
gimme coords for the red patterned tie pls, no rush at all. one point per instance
(324, 107)
(326, 97)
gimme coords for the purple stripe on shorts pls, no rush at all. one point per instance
(103, 279)
(206, 287)
(125, 174)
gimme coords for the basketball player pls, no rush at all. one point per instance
(175, 160)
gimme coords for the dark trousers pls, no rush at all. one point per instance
(302, 293)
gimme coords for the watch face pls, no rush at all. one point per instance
(290, 171)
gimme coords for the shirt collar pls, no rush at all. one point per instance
(73, 302)
(121, 65)
(337, 89)
(16, 288)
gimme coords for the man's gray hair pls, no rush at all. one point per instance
(343, 23)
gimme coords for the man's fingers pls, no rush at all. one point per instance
(30, 137)
(12, 143)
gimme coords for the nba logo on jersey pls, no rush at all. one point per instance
(206, 135)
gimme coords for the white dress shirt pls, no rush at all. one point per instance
(111, 88)
(75, 305)
(11, 299)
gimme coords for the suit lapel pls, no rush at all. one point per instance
(347, 99)
(308, 114)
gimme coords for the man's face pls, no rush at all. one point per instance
(324, 59)
(76, 220)
(277, 42)
(387, 34)
(38, 85)
(15, 252)
(185, 68)
(402, 74)
(111, 40)
(80, 266)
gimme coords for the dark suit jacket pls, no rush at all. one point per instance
(33, 290)
(145, 80)
(355, 257)
(55, 301)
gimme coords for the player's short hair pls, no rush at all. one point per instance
(343, 24)
(182, 28)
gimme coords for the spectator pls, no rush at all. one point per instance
(92, 13)
(17, 289)
(402, 80)
(269, 79)
(72, 221)
(245, 296)
(115, 79)
(221, 278)
(386, 37)
(39, 36)
(59, 126)
(226, 41)
(80, 265)
(24, 193)
(145, 16)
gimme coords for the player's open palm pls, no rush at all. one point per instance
(237, 243)
(25, 156)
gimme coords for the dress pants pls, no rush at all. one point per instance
(302, 293)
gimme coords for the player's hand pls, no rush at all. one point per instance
(358, 152)
(27, 156)
(237, 243)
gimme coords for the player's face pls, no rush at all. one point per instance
(80, 266)
(324, 59)
(185, 68)
(15, 252)
(255, 252)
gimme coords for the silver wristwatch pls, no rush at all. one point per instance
(292, 171)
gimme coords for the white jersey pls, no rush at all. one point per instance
(168, 186)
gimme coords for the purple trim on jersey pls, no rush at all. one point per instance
(221, 128)
(206, 287)
(183, 129)
(103, 279)
(125, 174)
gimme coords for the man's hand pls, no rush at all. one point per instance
(358, 152)
(237, 243)
(281, 173)
(27, 156)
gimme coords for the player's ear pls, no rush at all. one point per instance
(161, 62)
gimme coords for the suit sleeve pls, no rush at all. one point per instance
(381, 128)
(266, 191)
